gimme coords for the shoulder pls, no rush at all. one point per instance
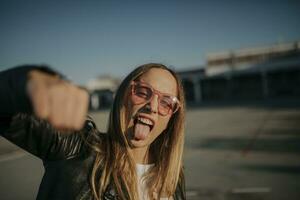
(90, 126)
(91, 133)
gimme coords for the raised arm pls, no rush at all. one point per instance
(41, 91)
(61, 103)
(36, 106)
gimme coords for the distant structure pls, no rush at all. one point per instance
(191, 80)
(102, 91)
(246, 74)
(246, 58)
(270, 72)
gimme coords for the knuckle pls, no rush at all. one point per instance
(77, 126)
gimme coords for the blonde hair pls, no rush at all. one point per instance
(114, 167)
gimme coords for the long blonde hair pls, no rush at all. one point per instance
(114, 167)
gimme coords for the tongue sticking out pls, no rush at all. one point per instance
(141, 131)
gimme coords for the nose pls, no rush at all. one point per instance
(154, 104)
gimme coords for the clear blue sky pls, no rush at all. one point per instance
(83, 39)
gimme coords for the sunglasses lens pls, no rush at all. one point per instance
(167, 105)
(141, 94)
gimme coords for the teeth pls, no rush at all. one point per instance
(145, 121)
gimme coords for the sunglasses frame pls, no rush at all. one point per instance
(159, 94)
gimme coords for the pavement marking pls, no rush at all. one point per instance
(191, 193)
(12, 156)
(252, 190)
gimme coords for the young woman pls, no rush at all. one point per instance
(140, 156)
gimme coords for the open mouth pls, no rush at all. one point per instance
(142, 127)
(144, 121)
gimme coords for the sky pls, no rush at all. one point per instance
(84, 39)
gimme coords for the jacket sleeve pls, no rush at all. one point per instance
(39, 138)
(13, 92)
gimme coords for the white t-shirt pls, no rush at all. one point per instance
(141, 169)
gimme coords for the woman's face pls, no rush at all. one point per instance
(146, 119)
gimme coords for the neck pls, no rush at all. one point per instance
(141, 155)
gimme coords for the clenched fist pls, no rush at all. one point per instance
(61, 103)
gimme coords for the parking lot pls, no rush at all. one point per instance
(231, 152)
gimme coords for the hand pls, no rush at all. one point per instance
(61, 103)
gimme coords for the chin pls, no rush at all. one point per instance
(139, 143)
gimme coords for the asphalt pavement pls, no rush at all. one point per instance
(245, 152)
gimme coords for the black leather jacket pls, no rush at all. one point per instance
(67, 158)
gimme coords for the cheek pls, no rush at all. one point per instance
(134, 109)
(131, 111)
(131, 108)
(162, 123)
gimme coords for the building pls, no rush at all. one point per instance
(247, 74)
(191, 80)
(102, 91)
(269, 72)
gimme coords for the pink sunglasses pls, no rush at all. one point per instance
(143, 93)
